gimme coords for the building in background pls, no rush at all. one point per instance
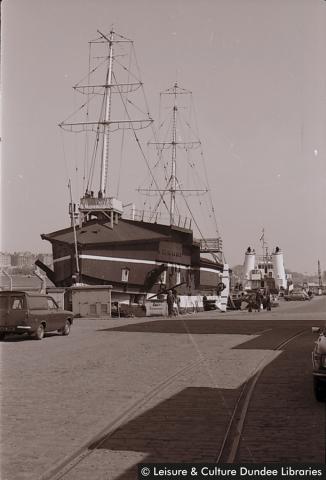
(5, 260)
(23, 260)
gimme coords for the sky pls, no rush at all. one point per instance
(257, 72)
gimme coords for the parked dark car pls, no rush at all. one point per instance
(32, 313)
(319, 365)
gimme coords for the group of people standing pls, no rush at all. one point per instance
(259, 300)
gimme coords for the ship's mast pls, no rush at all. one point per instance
(264, 246)
(176, 132)
(113, 91)
(172, 186)
(75, 236)
(320, 281)
(174, 156)
(106, 136)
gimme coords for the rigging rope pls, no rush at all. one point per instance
(90, 72)
(95, 150)
(139, 146)
(87, 118)
(206, 175)
(64, 154)
(123, 131)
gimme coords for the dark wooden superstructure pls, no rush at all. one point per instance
(134, 257)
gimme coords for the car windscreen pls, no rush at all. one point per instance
(17, 303)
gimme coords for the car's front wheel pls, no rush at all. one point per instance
(66, 329)
(39, 334)
(319, 390)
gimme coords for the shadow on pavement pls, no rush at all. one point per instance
(208, 326)
(188, 427)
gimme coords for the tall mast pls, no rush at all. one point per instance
(264, 245)
(175, 132)
(173, 186)
(174, 156)
(107, 93)
(320, 281)
(106, 136)
(75, 235)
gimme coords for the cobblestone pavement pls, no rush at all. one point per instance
(295, 431)
(59, 393)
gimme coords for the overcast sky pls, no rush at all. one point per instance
(257, 71)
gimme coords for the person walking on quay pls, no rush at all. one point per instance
(268, 300)
(170, 302)
(176, 303)
(258, 301)
(250, 303)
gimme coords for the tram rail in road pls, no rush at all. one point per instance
(235, 428)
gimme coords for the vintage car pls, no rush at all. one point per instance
(32, 313)
(297, 295)
(319, 364)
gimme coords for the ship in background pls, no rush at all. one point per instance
(265, 271)
(146, 252)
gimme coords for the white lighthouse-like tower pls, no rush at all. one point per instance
(278, 269)
(249, 266)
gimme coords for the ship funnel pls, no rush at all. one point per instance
(278, 267)
(249, 265)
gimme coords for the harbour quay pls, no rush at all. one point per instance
(118, 392)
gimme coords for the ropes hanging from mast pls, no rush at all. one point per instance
(105, 84)
(176, 132)
(123, 131)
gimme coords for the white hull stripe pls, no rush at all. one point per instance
(118, 259)
(210, 270)
(134, 260)
(61, 259)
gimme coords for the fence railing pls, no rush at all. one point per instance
(157, 217)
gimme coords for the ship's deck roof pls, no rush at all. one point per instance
(95, 232)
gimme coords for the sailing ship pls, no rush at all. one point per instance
(146, 254)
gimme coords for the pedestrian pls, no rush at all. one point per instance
(268, 301)
(176, 305)
(250, 302)
(258, 301)
(170, 302)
